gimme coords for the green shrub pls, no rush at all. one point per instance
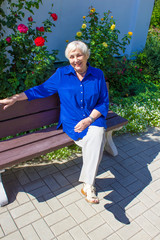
(102, 37)
(25, 60)
(149, 58)
(155, 19)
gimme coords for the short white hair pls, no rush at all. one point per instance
(72, 46)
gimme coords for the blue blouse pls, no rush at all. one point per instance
(77, 98)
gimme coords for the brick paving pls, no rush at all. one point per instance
(45, 202)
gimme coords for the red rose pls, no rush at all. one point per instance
(140, 69)
(8, 39)
(54, 16)
(39, 41)
(41, 29)
(30, 19)
(22, 28)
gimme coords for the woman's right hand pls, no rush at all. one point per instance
(7, 102)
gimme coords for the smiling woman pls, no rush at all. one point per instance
(84, 106)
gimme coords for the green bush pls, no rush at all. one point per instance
(102, 37)
(25, 60)
(155, 19)
(149, 58)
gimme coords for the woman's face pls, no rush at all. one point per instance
(78, 60)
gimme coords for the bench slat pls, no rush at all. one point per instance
(32, 150)
(28, 138)
(23, 108)
(26, 123)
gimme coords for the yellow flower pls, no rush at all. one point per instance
(102, 19)
(67, 41)
(84, 26)
(93, 10)
(105, 44)
(130, 33)
(111, 16)
(79, 34)
(84, 17)
(113, 27)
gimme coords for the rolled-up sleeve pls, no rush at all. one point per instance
(103, 102)
(46, 89)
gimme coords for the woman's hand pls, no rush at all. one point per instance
(82, 125)
(7, 102)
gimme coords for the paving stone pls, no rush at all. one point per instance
(27, 219)
(114, 236)
(52, 202)
(78, 234)
(22, 177)
(101, 232)
(136, 210)
(63, 226)
(57, 216)
(153, 218)
(62, 181)
(42, 230)
(70, 198)
(47, 170)
(142, 235)
(126, 181)
(86, 208)
(156, 209)
(34, 185)
(42, 191)
(31, 173)
(120, 189)
(22, 197)
(70, 170)
(147, 226)
(13, 236)
(128, 231)
(65, 236)
(155, 186)
(146, 200)
(51, 183)
(1, 232)
(92, 223)
(21, 210)
(7, 224)
(42, 206)
(29, 233)
(76, 213)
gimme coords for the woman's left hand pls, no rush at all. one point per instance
(82, 125)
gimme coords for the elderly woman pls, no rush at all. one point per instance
(84, 107)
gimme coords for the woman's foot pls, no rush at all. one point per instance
(90, 192)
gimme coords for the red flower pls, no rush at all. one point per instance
(22, 28)
(30, 19)
(54, 16)
(140, 69)
(39, 41)
(41, 29)
(8, 39)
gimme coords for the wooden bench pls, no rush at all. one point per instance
(27, 115)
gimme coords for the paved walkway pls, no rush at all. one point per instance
(46, 203)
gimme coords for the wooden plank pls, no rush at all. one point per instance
(26, 107)
(26, 123)
(32, 150)
(29, 138)
(116, 122)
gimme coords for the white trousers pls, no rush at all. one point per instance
(92, 145)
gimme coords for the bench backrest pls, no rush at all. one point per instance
(27, 115)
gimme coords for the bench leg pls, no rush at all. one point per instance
(110, 147)
(3, 196)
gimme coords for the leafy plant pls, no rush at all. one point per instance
(102, 37)
(25, 60)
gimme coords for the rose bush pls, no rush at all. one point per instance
(25, 60)
(102, 37)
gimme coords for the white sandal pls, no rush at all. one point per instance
(90, 193)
